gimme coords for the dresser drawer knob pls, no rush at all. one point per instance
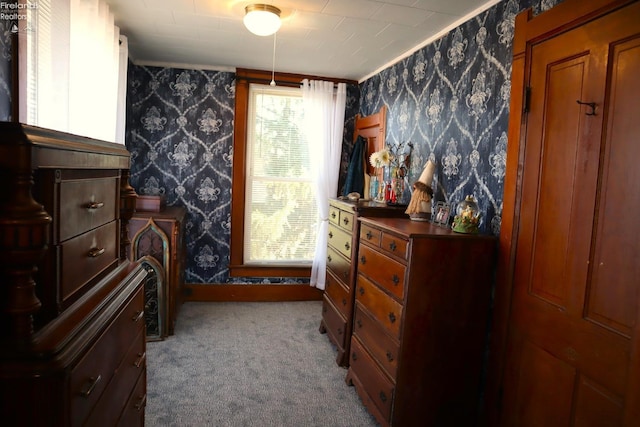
(140, 360)
(333, 215)
(329, 259)
(354, 356)
(393, 246)
(383, 397)
(395, 279)
(346, 221)
(136, 317)
(331, 235)
(389, 356)
(347, 246)
(344, 301)
(369, 235)
(392, 317)
(359, 323)
(363, 260)
(94, 205)
(361, 290)
(142, 402)
(95, 252)
(91, 385)
(339, 331)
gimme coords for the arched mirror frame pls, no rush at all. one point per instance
(162, 268)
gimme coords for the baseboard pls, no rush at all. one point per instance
(222, 292)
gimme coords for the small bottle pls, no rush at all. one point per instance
(373, 187)
(387, 192)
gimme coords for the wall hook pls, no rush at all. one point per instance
(590, 104)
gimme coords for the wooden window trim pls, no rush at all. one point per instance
(244, 77)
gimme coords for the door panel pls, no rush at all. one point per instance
(595, 406)
(616, 269)
(576, 274)
(537, 403)
(558, 155)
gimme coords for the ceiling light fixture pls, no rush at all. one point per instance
(262, 19)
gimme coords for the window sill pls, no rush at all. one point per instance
(269, 271)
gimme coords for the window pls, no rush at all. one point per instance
(241, 263)
(280, 209)
(240, 196)
(72, 65)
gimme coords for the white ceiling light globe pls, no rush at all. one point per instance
(262, 19)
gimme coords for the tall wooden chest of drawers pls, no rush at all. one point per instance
(342, 249)
(420, 322)
(72, 347)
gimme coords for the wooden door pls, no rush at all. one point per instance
(571, 355)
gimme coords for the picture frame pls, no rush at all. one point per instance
(442, 214)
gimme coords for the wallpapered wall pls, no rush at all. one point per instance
(180, 135)
(451, 100)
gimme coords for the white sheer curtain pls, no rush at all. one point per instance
(324, 110)
(74, 68)
(123, 65)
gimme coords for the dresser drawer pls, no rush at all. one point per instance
(83, 257)
(334, 215)
(86, 204)
(382, 347)
(340, 240)
(346, 220)
(394, 245)
(387, 272)
(336, 325)
(133, 414)
(338, 264)
(384, 309)
(338, 295)
(92, 374)
(376, 384)
(370, 234)
(107, 411)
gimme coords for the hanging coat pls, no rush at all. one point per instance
(356, 170)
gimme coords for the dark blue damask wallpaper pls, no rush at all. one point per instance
(180, 135)
(451, 100)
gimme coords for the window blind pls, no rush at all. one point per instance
(280, 207)
(73, 68)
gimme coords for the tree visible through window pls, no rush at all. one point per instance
(280, 209)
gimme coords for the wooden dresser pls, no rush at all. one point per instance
(170, 254)
(420, 322)
(72, 347)
(342, 250)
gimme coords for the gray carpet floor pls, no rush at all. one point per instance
(249, 364)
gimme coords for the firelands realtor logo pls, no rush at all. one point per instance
(16, 12)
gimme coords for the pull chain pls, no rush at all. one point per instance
(273, 64)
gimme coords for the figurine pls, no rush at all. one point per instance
(419, 208)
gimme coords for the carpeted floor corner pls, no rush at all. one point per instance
(249, 364)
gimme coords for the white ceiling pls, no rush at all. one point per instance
(352, 39)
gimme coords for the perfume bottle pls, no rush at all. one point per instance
(387, 191)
